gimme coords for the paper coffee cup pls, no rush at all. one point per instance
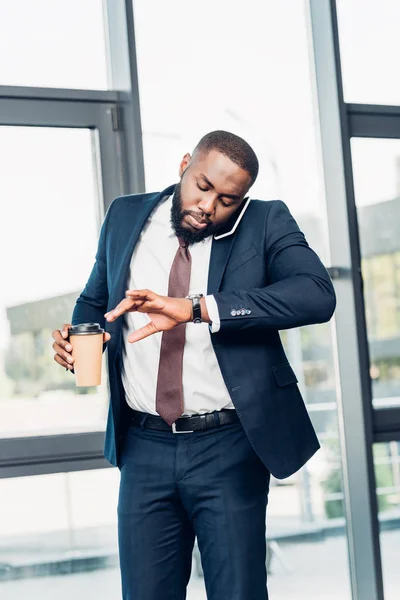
(86, 340)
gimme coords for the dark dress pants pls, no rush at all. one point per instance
(209, 484)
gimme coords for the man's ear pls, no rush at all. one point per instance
(184, 163)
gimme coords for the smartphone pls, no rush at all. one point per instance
(246, 204)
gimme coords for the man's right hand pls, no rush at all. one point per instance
(63, 348)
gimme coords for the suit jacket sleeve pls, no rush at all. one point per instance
(300, 291)
(92, 303)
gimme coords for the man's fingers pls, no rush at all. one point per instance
(146, 300)
(65, 330)
(127, 305)
(106, 337)
(142, 333)
(59, 350)
(140, 297)
(62, 362)
(135, 299)
(144, 294)
(59, 337)
(119, 310)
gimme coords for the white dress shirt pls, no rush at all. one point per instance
(204, 389)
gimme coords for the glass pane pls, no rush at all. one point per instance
(68, 528)
(199, 94)
(369, 50)
(262, 109)
(387, 473)
(48, 187)
(376, 168)
(53, 43)
(63, 542)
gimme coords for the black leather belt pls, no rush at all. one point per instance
(217, 418)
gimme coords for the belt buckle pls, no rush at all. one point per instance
(175, 431)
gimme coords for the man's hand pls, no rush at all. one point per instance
(63, 348)
(164, 312)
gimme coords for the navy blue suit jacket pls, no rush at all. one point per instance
(265, 266)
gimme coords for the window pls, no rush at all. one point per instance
(387, 473)
(48, 185)
(53, 43)
(198, 75)
(253, 78)
(376, 169)
(59, 524)
(369, 50)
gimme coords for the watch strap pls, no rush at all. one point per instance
(196, 309)
(196, 314)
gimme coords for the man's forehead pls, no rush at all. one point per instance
(217, 169)
(221, 183)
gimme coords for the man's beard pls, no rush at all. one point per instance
(192, 237)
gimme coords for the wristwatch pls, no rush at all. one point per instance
(195, 298)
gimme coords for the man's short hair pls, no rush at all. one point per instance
(232, 146)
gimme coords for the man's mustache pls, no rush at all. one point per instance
(198, 216)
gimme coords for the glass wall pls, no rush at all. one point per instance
(387, 472)
(60, 162)
(228, 65)
(376, 170)
(53, 43)
(47, 249)
(59, 525)
(369, 50)
(254, 78)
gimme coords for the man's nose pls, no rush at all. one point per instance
(207, 205)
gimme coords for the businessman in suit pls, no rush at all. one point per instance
(193, 285)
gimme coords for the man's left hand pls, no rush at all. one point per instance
(164, 312)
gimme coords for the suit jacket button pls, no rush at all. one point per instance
(248, 311)
(233, 313)
(243, 311)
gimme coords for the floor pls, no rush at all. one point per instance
(317, 571)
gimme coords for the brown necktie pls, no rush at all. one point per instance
(169, 394)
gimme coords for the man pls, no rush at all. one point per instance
(204, 404)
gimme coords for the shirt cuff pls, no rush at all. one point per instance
(213, 313)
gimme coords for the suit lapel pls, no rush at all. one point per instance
(220, 253)
(129, 235)
(221, 250)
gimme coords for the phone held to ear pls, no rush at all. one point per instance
(235, 226)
